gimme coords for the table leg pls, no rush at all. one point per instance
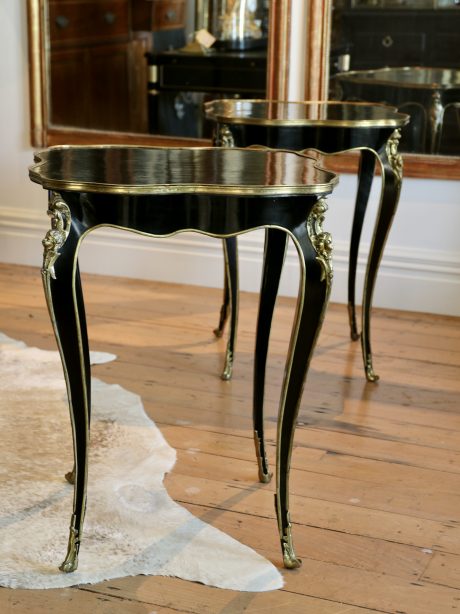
(64, 297)
(392, 168)
(365, 177)
(225, 309)
(274, 252)
(230, 303)
(435, 118)
(223, 138)
(314, 248)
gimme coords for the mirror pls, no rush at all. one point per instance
(125, 47)
(402, 53)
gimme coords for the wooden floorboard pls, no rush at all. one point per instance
(375, 500)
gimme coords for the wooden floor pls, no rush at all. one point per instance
(375, 498)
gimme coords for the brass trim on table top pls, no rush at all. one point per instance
(396, 121)
(157, 189)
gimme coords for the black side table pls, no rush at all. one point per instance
(160, 192)
(330, 128)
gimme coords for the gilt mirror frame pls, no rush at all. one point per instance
(318, 30)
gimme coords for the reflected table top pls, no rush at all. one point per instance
(406, 76)
(283, 113)
(425, 92)
(156, 170)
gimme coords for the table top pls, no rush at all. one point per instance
(114, 169)
(414, 77)
(283, 113)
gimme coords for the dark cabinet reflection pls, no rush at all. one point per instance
(226, 59)
(96, 65)
(128, 65)
(403, 53)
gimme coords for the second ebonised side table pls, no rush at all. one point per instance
(329, 128)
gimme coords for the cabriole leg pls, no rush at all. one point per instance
(62, 287)
(223, 138)
(365, 177)
(225, 309)
(230, 305)
(314, 248)
(274, 252)
(392, 169)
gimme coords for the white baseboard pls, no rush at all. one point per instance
(409, 279)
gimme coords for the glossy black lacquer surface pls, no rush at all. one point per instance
(141, 170)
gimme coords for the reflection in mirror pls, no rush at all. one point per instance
(403, 53)
(92, 82)
(96, 59)
(96, 66)
(226, 58)
(133, 66)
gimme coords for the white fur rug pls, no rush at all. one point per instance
(132, 525)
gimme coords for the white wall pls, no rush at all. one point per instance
(420, 269)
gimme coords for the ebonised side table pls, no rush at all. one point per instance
(160, 192)
(329, 128)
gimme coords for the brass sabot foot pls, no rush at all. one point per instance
(287, 548)
(289, 557)
(371, 376)
(291, 561)
(227, 373)
(264, 476)
(228, 367)
(70, 563)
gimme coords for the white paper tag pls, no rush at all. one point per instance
(205, 38)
